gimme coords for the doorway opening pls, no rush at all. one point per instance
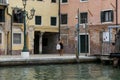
(84, 43)
(36, 42)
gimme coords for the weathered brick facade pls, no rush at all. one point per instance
(95, 27)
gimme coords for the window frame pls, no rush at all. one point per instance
(83, 1)
(20, 39)
(83, 21)
(51, 21)
(66, 22)
(40, 23)
(107, 16)
(2, 15)
(64, 2)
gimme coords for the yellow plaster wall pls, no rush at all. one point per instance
(44, 8)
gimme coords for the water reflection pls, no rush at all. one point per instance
(60, 72)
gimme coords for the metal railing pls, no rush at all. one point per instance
(3, 2)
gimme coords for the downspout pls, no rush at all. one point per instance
(59, 20)
(10, 31)
(116, 13)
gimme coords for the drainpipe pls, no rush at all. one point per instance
(116, 13)
(59, 20)
(11, 30)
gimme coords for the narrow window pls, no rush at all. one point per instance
(16, 38)
(2, 15)
(53, 21)
(38, 20)
(64, 18)
(83, 17)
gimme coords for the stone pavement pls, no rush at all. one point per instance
(43, 59)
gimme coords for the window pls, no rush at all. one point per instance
(18, 16)
(38, 20)
(83, 17)
(2, 15)
(63, 18)
(107, 16)
(53, 21)
(64, 1)
(0, 38)
(53, 1)
(16, 38)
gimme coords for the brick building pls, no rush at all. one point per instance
(95, 16)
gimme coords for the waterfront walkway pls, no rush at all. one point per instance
(43, 59)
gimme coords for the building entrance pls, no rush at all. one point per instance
(84, 44)
(36, 42)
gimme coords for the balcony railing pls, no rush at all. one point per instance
(3, 2)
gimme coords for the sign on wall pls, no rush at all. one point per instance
(106, 37)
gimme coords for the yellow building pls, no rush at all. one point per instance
(42, 30)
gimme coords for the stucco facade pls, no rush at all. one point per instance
(94, 28)
(42, 36)
(44, 9)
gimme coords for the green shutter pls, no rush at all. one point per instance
(38, 20)
(112, 15)
(3, 15)
(102, 16)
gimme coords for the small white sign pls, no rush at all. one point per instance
(76, 38)
(106, 36)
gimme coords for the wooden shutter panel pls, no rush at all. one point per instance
(3, 14)
(112, 16)
(38, 20)
(102, 16)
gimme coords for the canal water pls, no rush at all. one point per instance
(60, 72)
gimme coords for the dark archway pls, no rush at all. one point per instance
(36, 42)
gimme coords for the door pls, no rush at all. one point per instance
(36, 42)
(84, 44)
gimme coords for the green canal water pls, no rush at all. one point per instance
(60, 72)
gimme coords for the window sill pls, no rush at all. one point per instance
(83, 1)
(107, 22)
(64, 3)
(38, 25)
